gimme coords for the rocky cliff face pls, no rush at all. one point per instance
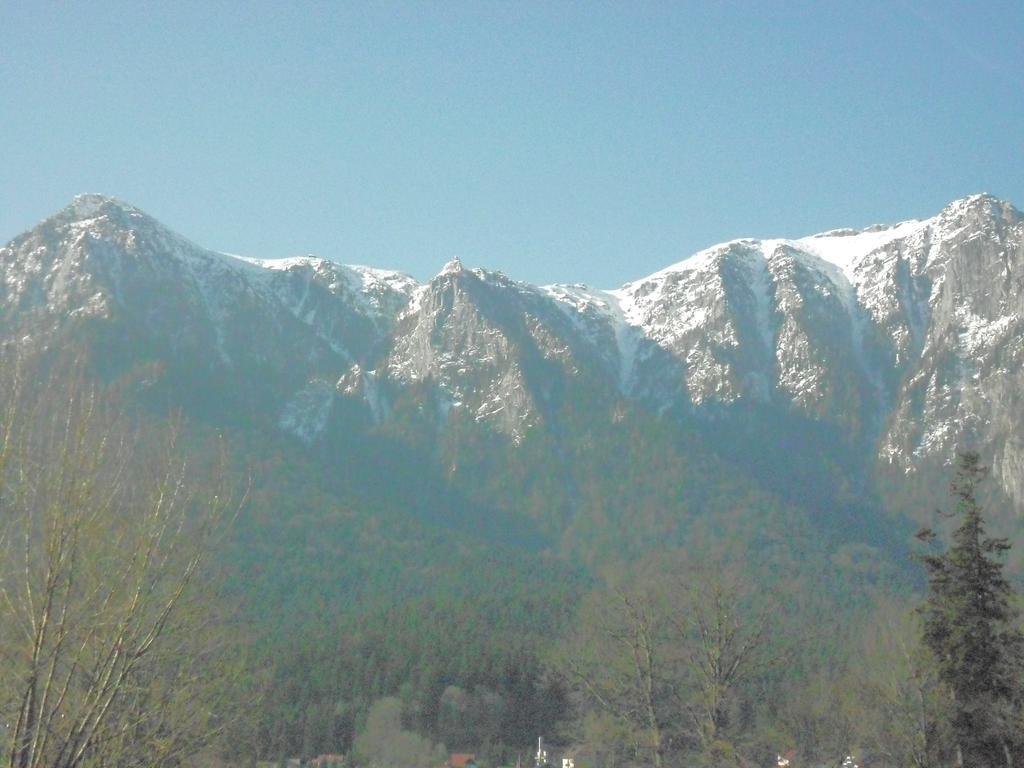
(954, 309)
(504, 352)
(908, 339)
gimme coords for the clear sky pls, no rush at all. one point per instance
(556, 141)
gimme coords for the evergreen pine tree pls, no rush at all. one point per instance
(970, 626)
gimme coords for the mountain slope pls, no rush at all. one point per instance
(902, 342)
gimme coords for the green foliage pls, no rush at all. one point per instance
(970, 626)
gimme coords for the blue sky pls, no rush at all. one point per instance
(556, 141)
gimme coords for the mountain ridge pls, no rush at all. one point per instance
(906, 339)
(85, 206)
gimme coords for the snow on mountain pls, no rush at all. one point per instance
(744, 321)
(908, 337)
(277, 329)
(379, 294)
(111, 240)
(828, 324)
(601, 320)
(846, 247)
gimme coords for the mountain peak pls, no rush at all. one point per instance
(980, 203)
(93, 204)
(453, 267)
(981, 198)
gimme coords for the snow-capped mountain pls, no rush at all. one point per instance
(908, 340)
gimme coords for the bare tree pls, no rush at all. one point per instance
(625, 662)
(725, 641)
(107, 654)
(667, 655)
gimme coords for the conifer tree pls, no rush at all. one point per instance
(970, 626)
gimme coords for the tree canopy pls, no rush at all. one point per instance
(970, 627)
